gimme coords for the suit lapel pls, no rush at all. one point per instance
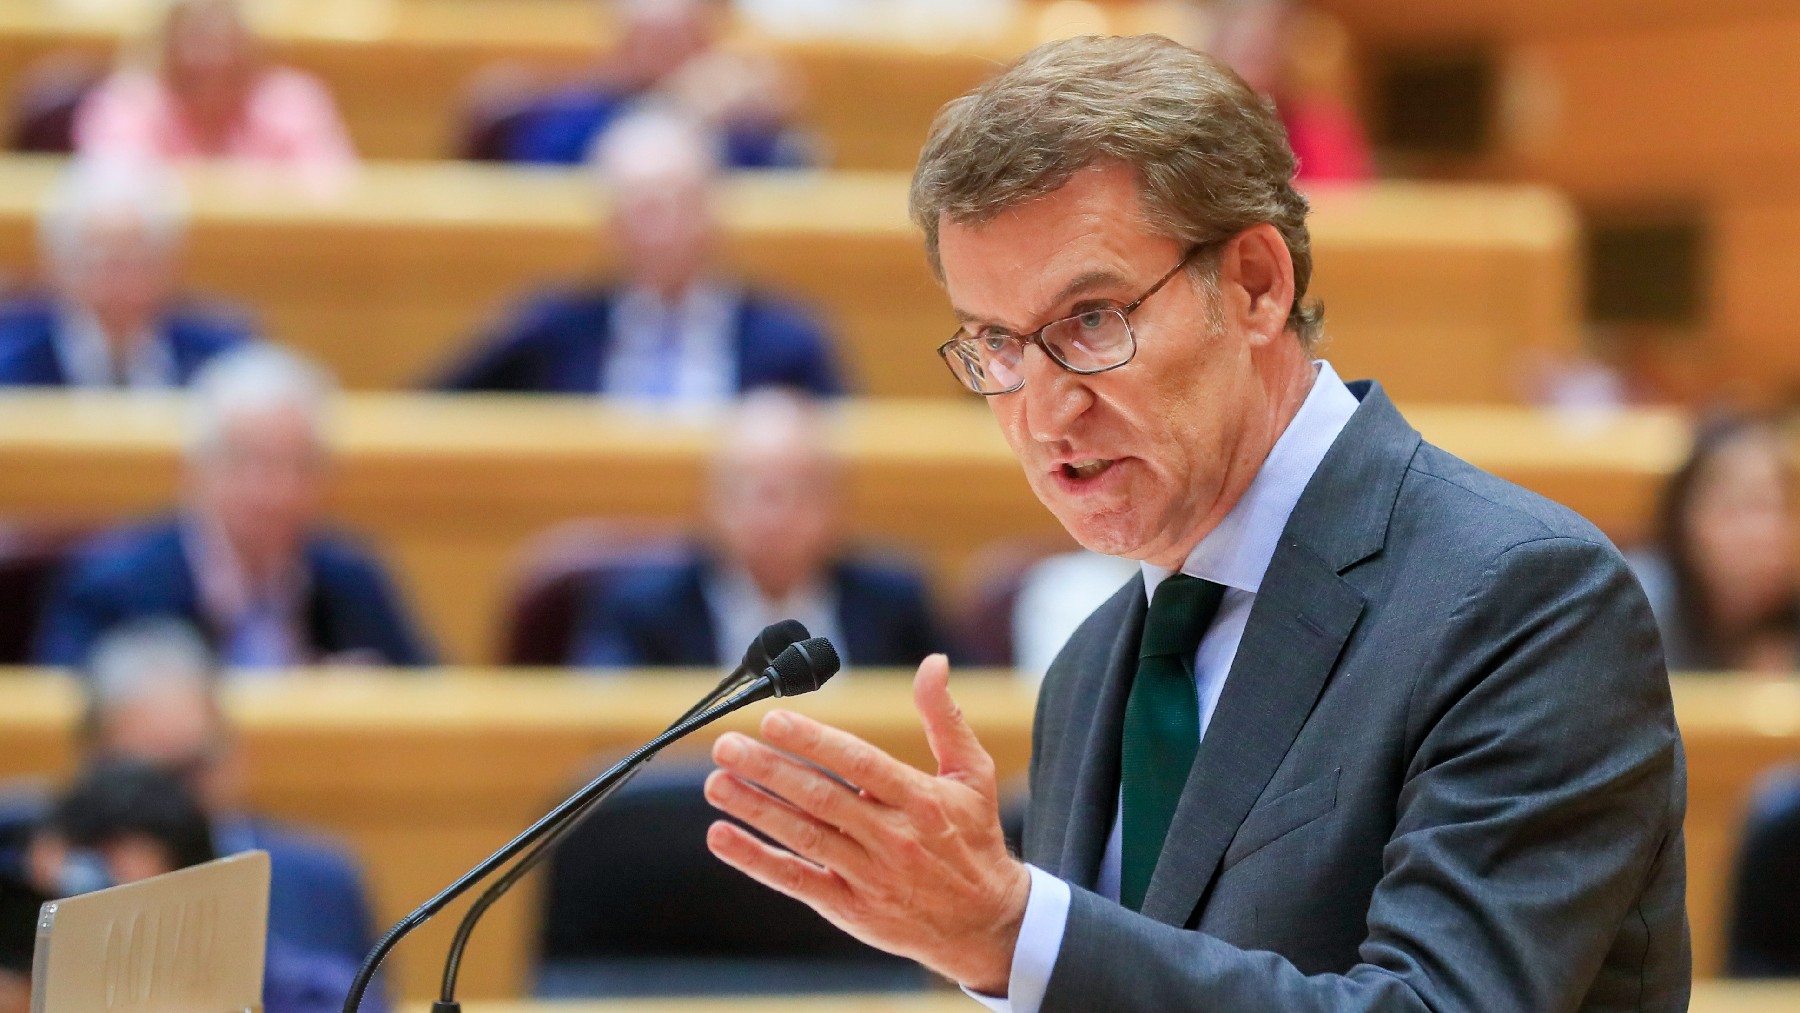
(1096, 794)
(1303, 616)
(1296, 629)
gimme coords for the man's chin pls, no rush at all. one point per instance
(1113, 534)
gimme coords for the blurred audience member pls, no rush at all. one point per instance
(775, 552)
(1299, 57)
(1722, 576)
(110, 239)
(244, 560)
(666, 50)
(122, 822)
(19, 903)
(150, 699)
(672, 331)
(1764, 925)
(1054, 598)
(212, 95)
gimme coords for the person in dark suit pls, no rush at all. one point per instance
(110, 237)
(150, 699)
(244, 562)
(775, 552)
(1763, 926)
(123, 821)
(672, 330)
(1374, 730)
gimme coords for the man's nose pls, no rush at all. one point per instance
(1054, 397)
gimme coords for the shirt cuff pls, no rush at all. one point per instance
(1040, 940)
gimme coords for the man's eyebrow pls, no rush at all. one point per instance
(1088, 281)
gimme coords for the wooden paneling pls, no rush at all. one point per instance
(1437, 290)
(428, 774)
(1670, 112)
(1379, 23)
(1755, 332)
(1709, 997)
(450, 488)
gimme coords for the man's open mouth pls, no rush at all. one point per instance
(1081, 470)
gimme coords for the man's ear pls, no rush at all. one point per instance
(1256, 282)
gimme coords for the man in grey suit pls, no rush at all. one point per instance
(1375, 731)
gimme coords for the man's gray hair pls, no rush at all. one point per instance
(251, 379)
(95, 188)
(1211, 156)
(140, 660)
(652, 138)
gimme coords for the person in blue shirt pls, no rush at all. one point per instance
(673, 329)
(244, 560)
(110, 238)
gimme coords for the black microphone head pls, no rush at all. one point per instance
(803, 667)
(774, 638)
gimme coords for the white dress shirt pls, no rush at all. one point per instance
(740, 611)
(87, 356)
(260, 624)
(677, 354)
(1236, 554)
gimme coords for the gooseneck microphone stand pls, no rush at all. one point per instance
(796, 670)
(771, 641)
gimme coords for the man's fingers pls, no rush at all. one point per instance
(805, 836)
(858, 762)
(776, 869)
(803, 786)
(959, 753)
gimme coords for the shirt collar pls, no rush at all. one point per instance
(226, 591)
(86, 355)
(1237, 552)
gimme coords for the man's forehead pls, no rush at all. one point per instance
(1087, 234)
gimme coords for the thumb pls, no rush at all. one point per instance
(959, 753)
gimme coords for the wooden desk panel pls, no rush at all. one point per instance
(451, 488)
(1376, 24)
(1709, 997)
(426, 775)
(1438, 290)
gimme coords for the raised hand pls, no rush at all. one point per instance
(911, 863)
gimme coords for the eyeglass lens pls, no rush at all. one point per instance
(1087, 343)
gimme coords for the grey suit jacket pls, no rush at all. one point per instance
(1444, 773)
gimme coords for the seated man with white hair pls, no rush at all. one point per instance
(110, 237)
(673, 329)
(773, 549)
(243, 560)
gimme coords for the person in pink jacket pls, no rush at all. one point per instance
(213, 96)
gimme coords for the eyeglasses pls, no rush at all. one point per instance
(1089, 342)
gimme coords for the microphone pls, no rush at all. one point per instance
(762, 652)
(758, 658)
(799, 668)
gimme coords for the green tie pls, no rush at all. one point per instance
(1162, 726)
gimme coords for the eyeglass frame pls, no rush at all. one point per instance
(1037, 337)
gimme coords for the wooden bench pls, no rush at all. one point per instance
(1441, 291)
(451, 488)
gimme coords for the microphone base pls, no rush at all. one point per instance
(446, 1007)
